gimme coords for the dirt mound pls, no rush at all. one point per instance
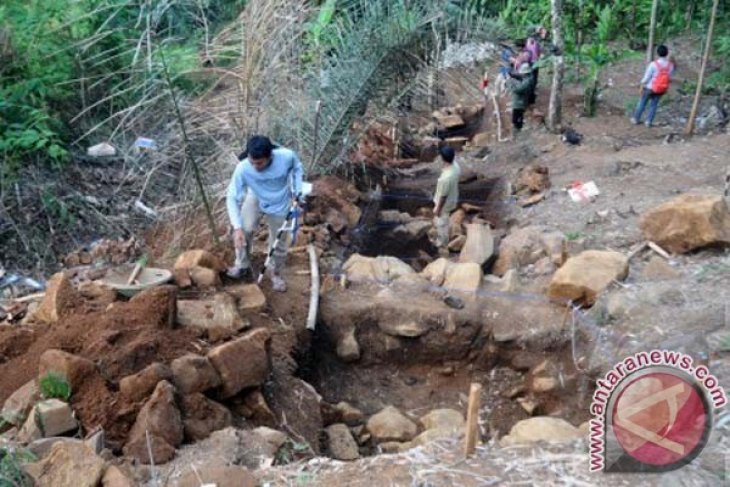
(121, 341)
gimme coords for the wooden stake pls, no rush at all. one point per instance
(472, 418)
(690, 128)
(498, 116)
(659, 250)
(636, 250)
(135, 273)
(314, 290)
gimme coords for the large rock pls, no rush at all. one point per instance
(249, 296)
(98, 294)
(140, 385)
(541, 428)
(688, 222)
(479, 246)
(410, 328)
(219, 315)
(18, 405)
(202, 416)
(274, 438)
(160, 304)
(203, 277)
(456, 223)
(114, 477)
(256, 408)
(481, 140)
(331, 192)
(199, 258)
(391, 425)
(359, 268)
(447, 121)
(531, 179)
(70, 464)
(555, 247)
(58, 301)
(435, 272)
(217, 475)
(520, 248)
(193, 373)
(429, 436)
(42, 447)
(348, 414)
(243, 362)
(161, 418)
(583, 277)
(443, 419)
(413, 230)
(387, 268)
(382, 269)
(74, 368)
(347, 347)
(48, 418)
(340, 442)
(463, 277)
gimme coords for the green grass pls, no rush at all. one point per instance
(55, 386)
(572, 236)
(11, 471)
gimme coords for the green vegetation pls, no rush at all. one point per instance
(11, 472)
(70, 68)
(55, 386)
(290, 452)
(65, 65)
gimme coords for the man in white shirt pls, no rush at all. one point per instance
(270, 178)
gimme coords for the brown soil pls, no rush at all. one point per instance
(121, 341)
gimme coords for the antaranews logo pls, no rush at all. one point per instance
(652, 413)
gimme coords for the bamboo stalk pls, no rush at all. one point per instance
(314, 290)
(636, 250)
(659, 250)
(472, 417)
(689, 130)
(196, 169)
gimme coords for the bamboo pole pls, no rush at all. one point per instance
(317, 112)
(472, 418)
(652, 28)
(689, 130)
(196, 169)
(556, 90)
(314, 290)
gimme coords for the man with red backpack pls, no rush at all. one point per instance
(655, 83)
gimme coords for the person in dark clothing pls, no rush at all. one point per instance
(521, 88)
(534, 46)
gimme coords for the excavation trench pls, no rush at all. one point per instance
(378, 345)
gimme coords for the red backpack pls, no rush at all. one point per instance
(660, 83)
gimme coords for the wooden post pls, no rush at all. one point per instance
(315, 137)
(314, 291)
(554, 120)
(652, 28)
(472, 418)
(689, 130)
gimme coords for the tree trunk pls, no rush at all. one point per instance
(556, 91)
(708, 47)
(652, 28)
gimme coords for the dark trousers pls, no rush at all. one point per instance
(650, 98)
(533, 94)
(518, 118)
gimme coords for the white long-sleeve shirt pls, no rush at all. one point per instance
(274, 187)
(651, 71)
